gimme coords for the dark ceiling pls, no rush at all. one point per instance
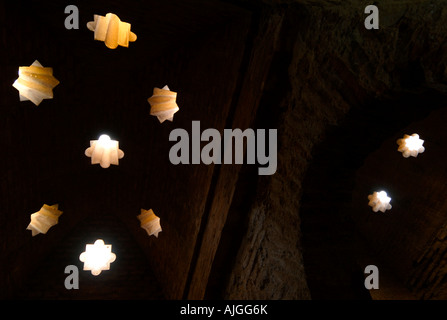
(182, 44)
(339, 96)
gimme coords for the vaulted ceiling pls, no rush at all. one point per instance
(338, 94)
(183, 45)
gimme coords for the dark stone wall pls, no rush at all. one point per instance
(340, 91)
(410, 237)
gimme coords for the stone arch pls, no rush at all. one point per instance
(335, 250)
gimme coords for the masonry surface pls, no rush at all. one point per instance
(339, 96)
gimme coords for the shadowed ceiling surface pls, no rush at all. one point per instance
(181, 44)
(338, 94)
